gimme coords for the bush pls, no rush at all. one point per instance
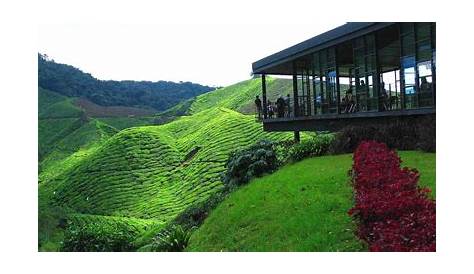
(401, 134)
(427, 134)
(315, 146)
(175, 238)
(92, 237)
(393, 213)
(195, 215)
(244, 164)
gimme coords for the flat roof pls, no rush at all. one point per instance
(279, 63)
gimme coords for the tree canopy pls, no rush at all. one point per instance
(73, 82)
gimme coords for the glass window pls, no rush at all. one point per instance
(425, 84)
(364, 71)
(317, 94)
(406, 28)
(371, 62)
(331, 92)
(408, 44)
(423, 51)
(370, 42)
(408, 64)
(423, 31)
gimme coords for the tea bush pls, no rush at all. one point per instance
(93, 237)
(254, 161)
(315, 146)
(195, 215)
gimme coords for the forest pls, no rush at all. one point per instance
(70, 81)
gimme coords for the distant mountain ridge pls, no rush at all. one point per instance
(72, 82)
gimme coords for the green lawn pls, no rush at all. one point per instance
(301, 207)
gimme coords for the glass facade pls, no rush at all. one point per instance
(365, 73)
(391, 69)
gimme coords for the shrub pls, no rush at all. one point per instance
(98, 237)
(195, 215)
(393, 213)
(175, 238)
(315, 146)
(400, 134)
(52, 221)
(427, 134)
(244, 164)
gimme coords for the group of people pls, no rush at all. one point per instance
(349, 104)
(281, 108)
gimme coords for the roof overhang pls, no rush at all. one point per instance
(281, 63)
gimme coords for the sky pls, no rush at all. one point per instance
(209, 54)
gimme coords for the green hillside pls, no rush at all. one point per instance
(301, 207)
(54, 105)
(88, 135)
(151, 172)
(240, 97)
(64, 128)
(143, 172)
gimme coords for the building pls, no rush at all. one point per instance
(356, 73)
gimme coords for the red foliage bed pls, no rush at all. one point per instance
(393, 212)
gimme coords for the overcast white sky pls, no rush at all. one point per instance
(201, 53)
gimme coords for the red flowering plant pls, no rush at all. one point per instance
(393, 212)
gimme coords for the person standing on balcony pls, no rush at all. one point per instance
(287, 105)
(280, 103)
(270, 109)
(258, 105)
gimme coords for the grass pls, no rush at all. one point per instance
(301, 207)
(426, 165)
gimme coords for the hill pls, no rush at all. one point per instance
(240, 97)
(62, 119)
(94, 110)
(72, 82)
(55, 105)
(301, 207)
(150, 164)
(152, 172)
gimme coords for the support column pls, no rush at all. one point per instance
(296, 108)
(402, 74)
(308, 93)
(377, 83)
(264, 97)
(338, 90)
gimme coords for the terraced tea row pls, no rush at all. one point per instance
(74, 146)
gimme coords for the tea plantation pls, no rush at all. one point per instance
(153, 172)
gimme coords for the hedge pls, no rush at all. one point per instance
(392, 211)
